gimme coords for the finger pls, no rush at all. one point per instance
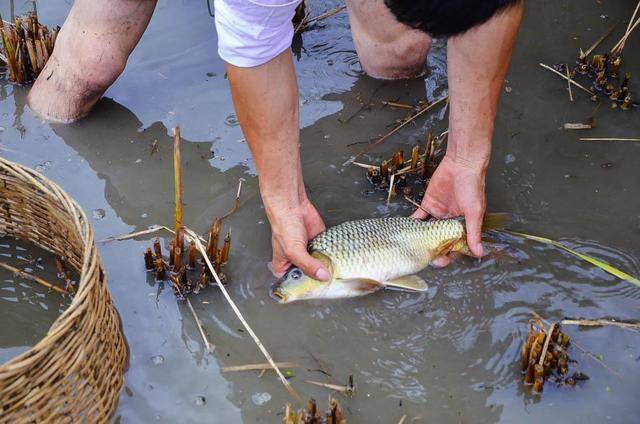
(473, 221)
(420, 213)
(279, 261)
(312, 267)
(440, 261)
(279, 265)
(425, 210)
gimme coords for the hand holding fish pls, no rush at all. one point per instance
(291, 229)
(457, 189)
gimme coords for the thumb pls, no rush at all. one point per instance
(311, 266)
(473, 220)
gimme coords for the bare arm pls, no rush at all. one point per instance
(477, 64)
(266, 102)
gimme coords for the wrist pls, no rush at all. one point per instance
(290, 197)
(472, 152)
(476, 163)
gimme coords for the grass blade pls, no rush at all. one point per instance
(597, 262)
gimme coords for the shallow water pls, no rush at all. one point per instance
(27, 309)
(449, 355)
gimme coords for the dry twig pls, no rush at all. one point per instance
(32, 277)
(571, 81)
(337, 387)
(193, 236)
(608, 139)
(597, 43)
(258, 367)
(601, 323)
(306, 22)
(617, 49)
(569, 84)
(397, 128)
(210, 346)
(236, 203)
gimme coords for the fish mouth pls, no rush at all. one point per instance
(277, 295)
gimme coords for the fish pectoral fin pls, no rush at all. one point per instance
(363, 285)
(408, 282)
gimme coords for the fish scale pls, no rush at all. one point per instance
(385, 247)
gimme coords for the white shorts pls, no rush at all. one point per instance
(252, 32)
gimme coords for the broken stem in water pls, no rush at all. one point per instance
(398, 127)
(617, 49)
(259, 367)
(306, 22)
(569, 84)
(31, 277)
(597, 43)
(236, 204)
(608, 139)
(601, 323)
(253, 335)
(571, 81)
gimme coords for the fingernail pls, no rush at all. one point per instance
(322, 274)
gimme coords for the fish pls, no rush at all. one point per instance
(367, 255)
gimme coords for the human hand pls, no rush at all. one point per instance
(457, 188)
(291, 229)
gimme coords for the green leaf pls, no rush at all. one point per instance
(597, 262)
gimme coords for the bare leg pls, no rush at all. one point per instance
(91, 52)
(387, 49)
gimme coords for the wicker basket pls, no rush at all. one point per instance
(75, 373)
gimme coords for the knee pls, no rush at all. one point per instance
(403, 58)
(90, 61)
(99, 67)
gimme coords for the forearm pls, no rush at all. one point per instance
(266, 102)
(477, 64)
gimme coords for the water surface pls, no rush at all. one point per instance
(449, 355)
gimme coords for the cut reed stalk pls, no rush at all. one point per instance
(582, 349)
(177, 179)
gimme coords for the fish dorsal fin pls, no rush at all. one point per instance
(408, 282)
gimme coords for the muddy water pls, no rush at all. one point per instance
(449, 355)
(26, 307)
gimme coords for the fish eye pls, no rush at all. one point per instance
(296, 274)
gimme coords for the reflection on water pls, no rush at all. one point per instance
(448, 355)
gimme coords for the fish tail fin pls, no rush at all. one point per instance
(497, 220)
